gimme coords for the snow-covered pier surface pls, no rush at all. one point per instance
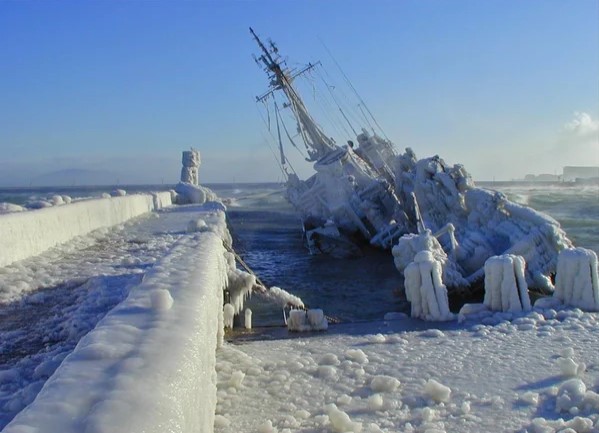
(149, 365)
(527, 372)
(24, 234)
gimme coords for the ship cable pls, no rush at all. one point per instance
(273, 152)
(336, 101)
(353, 89)
(348, 108)
(327, 108)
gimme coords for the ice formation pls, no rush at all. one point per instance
(437, 391)
(161, 299)
(576, 281)
(239, 284)
(191, 166)
(118, 193)
(189, 190)
(9, 207)
(281, 297)
(341, 421)
(505, 284)
(425, 289)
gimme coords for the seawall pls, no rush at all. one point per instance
(25, 234)
(149, 365)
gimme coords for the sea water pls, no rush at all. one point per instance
(267, 234)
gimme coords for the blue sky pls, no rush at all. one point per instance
(121, 88)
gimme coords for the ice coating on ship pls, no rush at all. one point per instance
(370, 192)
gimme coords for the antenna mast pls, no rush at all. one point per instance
(280, 79)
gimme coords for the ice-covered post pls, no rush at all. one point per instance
(576, 281)
(425, 289)
(191, 166)
(505, 284)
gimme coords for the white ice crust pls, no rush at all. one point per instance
(24, 234)
(149, 365)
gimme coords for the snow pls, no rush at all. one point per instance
(149, 364)
(161, 299)
(505, 376)
(505, 284)
(576, 281)
(24, 234)
(425, 289)
(437, 391)
(281, 297)
(9, 207)
(194, 194)
(118, 193)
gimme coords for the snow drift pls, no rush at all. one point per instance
(24, 234)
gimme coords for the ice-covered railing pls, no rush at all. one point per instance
(149, 365)
(24, 234)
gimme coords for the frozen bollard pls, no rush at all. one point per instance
(317, 320)
(296, 320)
(229, 314)
(191, 166)
(576, 279)
(505, 284)
(311, 320)
(248, 319)
(425, 289)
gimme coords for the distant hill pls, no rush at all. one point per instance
(75, 177)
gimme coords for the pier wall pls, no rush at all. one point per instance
(29, 233)
(149, 365)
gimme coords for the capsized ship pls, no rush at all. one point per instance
(371, 193)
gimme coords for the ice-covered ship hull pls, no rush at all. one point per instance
(395, 201)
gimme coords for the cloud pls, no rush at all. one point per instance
(582, 126)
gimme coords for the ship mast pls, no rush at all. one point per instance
(317, 142)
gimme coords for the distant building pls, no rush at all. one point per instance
(542, 178)
(573, 173)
